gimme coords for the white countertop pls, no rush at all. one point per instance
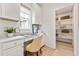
(25, 37)
(4, 39)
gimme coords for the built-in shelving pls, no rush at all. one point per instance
(64, 26)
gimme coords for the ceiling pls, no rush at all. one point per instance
(64, 10)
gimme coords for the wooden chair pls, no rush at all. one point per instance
(35, 47)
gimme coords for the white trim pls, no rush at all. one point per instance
(75, 21)
(55, 27)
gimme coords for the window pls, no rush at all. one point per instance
(25, 18)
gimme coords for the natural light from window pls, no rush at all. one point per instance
(25, 18)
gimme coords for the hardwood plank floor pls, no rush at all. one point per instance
(63, 49)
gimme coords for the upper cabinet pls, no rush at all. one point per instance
(10, 11)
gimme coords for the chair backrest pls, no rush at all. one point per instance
(38, 41)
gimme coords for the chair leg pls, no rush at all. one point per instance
(40, 51)
(25, 53)
(37, 53)
(33, 53)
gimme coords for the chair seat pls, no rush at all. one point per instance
(36, 45)
(33, 48)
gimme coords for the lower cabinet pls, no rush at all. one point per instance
(16, 51)
(12, 48)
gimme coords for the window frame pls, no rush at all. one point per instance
(30, 29)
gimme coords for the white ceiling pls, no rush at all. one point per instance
(64, 10)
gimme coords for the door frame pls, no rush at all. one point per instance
(75, 21)
(75, 28)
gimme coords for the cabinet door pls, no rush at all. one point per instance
(16, 51)
(12, 48)
(20, 51)
(11, 10)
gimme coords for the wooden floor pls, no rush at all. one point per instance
(63, 49)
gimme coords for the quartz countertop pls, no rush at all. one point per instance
(25, 37)
(4, 39)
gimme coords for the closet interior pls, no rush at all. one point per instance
(64, 24)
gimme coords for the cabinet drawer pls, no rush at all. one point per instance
(11, 44)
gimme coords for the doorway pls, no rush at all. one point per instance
(64, 29)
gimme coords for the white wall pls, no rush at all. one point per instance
(48, 25)
(48, 22)
(37, 13)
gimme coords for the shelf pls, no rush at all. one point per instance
(66, 23)
(9, 18)
(65, 28)
(65, 17)
(66, 36)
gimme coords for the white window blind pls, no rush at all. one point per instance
(25, 18)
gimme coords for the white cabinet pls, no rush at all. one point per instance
(15, 51)
(12, 48)
(10, 11)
